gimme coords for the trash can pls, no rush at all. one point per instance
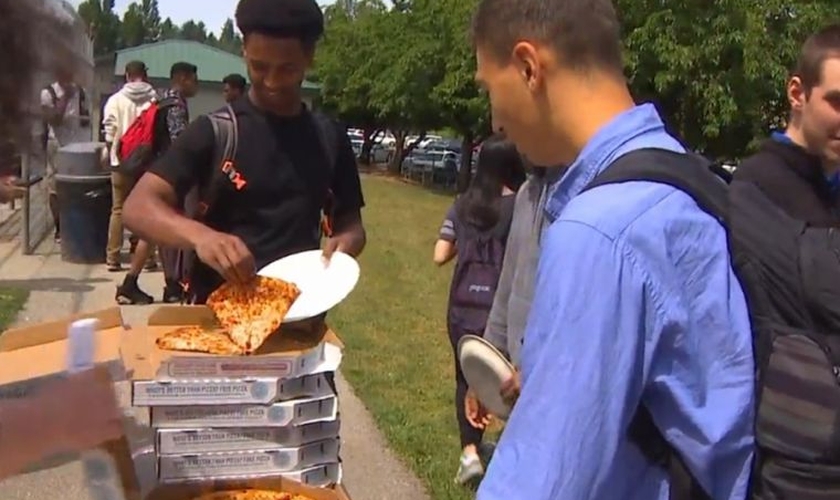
(84, 204)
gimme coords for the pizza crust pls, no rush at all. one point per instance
(197, 339)
(252, 312)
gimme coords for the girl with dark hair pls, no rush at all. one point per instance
(79, 411)
(476, 230)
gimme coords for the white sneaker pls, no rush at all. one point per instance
(469, 469)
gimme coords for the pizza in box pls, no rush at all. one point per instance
(248, 314)
(250, 494)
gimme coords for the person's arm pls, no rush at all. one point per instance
(151, 210)
(349, 234)
(582, 370)
(445, 247)
(109, 121)
(69, 414)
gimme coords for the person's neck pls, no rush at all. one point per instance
(595, 102)
(288, 111)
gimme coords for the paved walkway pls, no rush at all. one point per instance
(371, 471)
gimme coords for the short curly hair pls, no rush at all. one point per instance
(300, 19)
(33, 35)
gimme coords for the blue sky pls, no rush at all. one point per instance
(212, 12)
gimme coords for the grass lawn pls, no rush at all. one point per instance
(11, 302)
(398, 356)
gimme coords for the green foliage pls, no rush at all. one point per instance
(717, 70)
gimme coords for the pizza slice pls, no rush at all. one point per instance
(252, 312)
(197, 339)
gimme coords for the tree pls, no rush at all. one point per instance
(229, 39)
(168, 30)
(349, 61)
(103, 25)
(133, 27)
(151, 20)
(195, 31)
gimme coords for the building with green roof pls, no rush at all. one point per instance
(213, 65)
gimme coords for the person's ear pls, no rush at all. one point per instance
(797, 94)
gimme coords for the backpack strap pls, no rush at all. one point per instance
(225, 145)
(328, 136)
(707, 184)
(226, 135)
(705, 181)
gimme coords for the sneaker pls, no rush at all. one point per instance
(151, 265)
(173, 293)
(129, 293)
(470, 469)
(114, 267)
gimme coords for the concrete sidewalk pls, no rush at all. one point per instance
(371, 471)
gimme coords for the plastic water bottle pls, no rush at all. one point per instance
(100, 471)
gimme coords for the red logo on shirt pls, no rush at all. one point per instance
(234, 176)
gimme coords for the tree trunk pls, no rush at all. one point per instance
(396, 160)
(367, 145)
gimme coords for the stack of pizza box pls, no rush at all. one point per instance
(228, 417)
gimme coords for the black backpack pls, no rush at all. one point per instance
(790, 274)
(476, 274)
(203, 198)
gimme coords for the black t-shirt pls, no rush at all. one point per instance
(276, 211)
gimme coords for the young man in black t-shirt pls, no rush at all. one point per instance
(281, 175)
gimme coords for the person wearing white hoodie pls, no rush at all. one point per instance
(120, 111)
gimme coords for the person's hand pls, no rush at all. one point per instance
(477, 414)
(80, 412)
(227, 255)
(336, 243)
(8, 190)
(510, 389)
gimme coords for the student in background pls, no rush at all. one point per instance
(77, 412)
(234, 87)
(66, 121)
(799, 168)
(119, 113)
(476, 231)
(184, 85)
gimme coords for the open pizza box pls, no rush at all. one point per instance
(31, 355)
(188, 491)
(297, 350)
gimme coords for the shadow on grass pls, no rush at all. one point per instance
(64, 285)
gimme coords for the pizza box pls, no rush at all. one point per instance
(255, 390)
(320, 476)
(191, 490)
(31, 355)
(298, 349)
(295, 412)
(184, 441)
(247, 463)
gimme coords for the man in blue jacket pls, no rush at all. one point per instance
(635, 303)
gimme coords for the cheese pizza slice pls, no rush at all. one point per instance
(252, 312)
(197, 339)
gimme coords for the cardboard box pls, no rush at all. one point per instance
(31, 355)
(247, 463)
(191, 490)
(295, 412)
(294, 351)
(185, 441)
(265, 390)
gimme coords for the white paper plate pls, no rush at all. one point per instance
(322, 285)
(485, 369)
